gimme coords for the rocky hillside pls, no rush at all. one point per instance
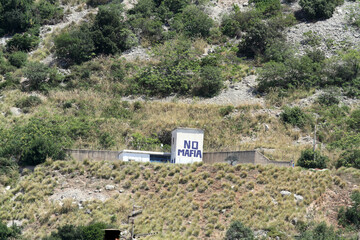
(178, 202)
(110, 75)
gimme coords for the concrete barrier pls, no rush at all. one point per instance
(233, 158)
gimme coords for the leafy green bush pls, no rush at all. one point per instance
(350, 158)
(28, 102)
(351, 215)
(320, 232)
(294, 116)
(94, 231)
(41, 77)
(9, 171)
(7, 233)
(267, 7)
(312, 159)
(210, 82)
(327, 99)
(95, 3)
(238, 231)
(34, 141)
(195, 22)
(18, 59)
(22, 42)
(259, 36)
(49, 11)
(354, 120)
(319, 9)
(293, 72)
(75, 46)
(226, 110)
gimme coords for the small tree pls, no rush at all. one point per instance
(312, 159)
(237, 231)
(319, 9)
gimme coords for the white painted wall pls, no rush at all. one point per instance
(187, 145)
(132, 156)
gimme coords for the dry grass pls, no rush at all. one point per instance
(179, 201)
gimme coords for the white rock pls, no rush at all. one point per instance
(15, 111)
(285, 193)
(7, 188)
(109, 187)
(298, 197)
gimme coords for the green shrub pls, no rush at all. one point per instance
(312, 159)
(327, 99)
(93, 231)
(350, 158)
(294, 116)
(26, 102)
(224, 111)
(267, 7)
(319, 9)
(210, 82)
(106, 140)
(351, 215)
(238, 231)
(75, 46)
(95, 3)
(34, 141)
(49, 11)
(354, 120)
(259, 36)
(22, 42)
(18, 59)
(195, 22)
(41, 77)
(7, 233)
(9, 171)
(320, 232)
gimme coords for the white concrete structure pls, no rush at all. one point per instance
(187, 145)
(143, 156)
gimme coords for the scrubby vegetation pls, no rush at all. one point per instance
(80, 87)
(173, 198)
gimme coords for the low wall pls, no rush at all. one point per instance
(238, 157)
(98, 155)
(241, 157)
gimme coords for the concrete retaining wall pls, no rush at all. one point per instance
(238, 157)
(93, 154)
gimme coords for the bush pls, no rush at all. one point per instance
(259, 36)
(75, 46)
(41, 77)
(9, 233)
(18, 59)
(354, 120)
(22, 42)
(320, 232)
(350, 158)
(9, 171)
(210, 82)
(195, 22)
(351, 215)
(327, 99)
(294, 116)
(28, 102)
(312, 159)
(267, 7)
(319, 9)
(94, 231)
(95, 3)
(238, 231)
(33, 142)
(224, 111)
